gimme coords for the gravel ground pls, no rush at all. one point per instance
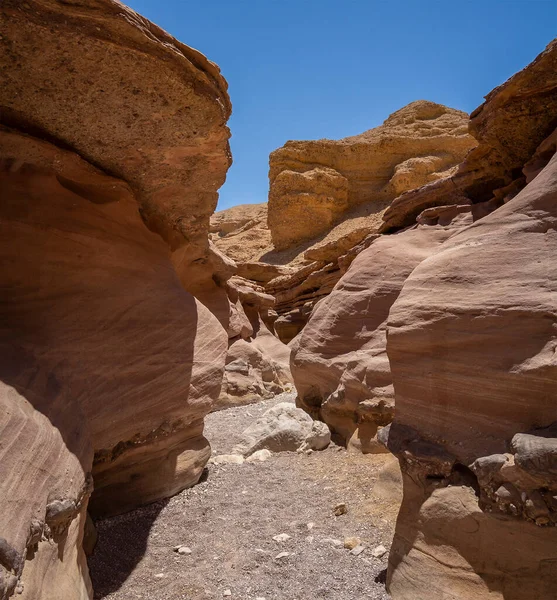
(229, 520)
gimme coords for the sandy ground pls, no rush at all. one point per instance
(229, 520)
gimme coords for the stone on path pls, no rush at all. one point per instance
(284, 428)
(379, 551)
(340, 509)
(281, 537)
(227, 459)
(259, 456)
(351, 542)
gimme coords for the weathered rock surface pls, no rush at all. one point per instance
(471, 342)
(509, 126)
(339, 364)
(108, 364)
(326, 197)
(257, 363)
(312, 183)
(241, 232)
(283, 428)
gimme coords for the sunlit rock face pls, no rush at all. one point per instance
(108, 365)
(328, 196)
(471, 342)
(314, 183)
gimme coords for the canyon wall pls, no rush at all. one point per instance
(471, 343)
(328, 196)
(113, 144)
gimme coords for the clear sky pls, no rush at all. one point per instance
(310, 69)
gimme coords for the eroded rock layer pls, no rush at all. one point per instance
(339, 362)
(108, 365)
(509, 126)
(313, 183)
(471, 343)
(326, 197)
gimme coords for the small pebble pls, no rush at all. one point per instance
(282, 555)
(281, 537)
(227, 593)
(159, 576)
(379, 551)
(357, 550)
(351, 542)
(340, 509)
(310, 526)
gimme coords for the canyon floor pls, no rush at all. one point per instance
(228, 521)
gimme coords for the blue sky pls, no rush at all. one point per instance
(310, 69)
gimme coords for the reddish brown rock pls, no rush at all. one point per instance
(257, 362)
(471, 343)
(327, 196)
(339, 363)
(108, 365)
(154, 114)
(509, 126)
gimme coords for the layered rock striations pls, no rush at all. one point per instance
(513, 120)
(313, 183)
(471, 342)
(339, 361)
(448, 324)
(108, 364)
(326, 197)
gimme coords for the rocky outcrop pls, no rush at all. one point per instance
(313, 183)
(257, 363)
(326, 197)
(241, 232)
(108, 365)
(471, 342)
(339, 363)
(511, 123)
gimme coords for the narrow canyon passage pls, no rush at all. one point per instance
(228, 521)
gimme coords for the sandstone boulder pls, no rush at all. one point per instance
(283, 428)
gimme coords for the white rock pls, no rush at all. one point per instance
(283, 428)
(357, 550)
(159, 575)
(282, 555)
(281, 537)
(259, 456)
(227, 593)
(379, 551)
(334, 542)
(184, 550)
(310, 526)
(227, 459)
